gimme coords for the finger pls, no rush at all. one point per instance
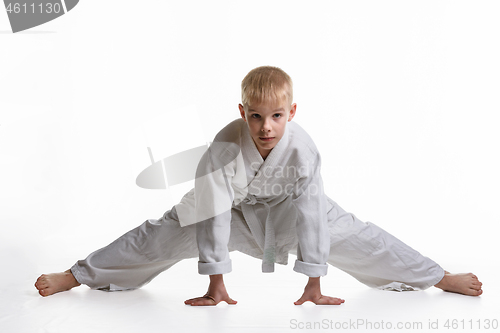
(326, 300)
(300, 301)
(189, 301)
(192, 300)
(203, 302)
(200, 301)
(230, 301)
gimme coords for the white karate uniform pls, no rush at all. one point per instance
(266, 209)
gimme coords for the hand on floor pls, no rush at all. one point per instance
(312, 293)
(216, 293)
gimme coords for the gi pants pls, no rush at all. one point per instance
(363, 250)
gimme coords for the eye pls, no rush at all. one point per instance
(277, 115)
(255, 115)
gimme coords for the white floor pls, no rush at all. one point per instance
(265, 304)
(46, 238)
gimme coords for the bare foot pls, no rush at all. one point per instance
(49, 284)
(464, 283)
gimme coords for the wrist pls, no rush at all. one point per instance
(216, 278)
(216, 287)
(313, 281)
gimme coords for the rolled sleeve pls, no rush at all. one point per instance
(212, 237)
(311, 270)
(211, 268)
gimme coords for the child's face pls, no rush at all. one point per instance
(266, 123)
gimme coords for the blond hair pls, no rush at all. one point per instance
(266, 84)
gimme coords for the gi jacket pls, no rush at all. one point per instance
(281, 199)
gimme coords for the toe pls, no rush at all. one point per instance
(43, 284)
(47, 291)
(474, 292)
(477, 292)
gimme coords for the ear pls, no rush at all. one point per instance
(293, 109)
(242, 112)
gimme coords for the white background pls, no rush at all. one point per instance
(401, 98)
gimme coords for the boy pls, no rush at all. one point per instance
(258, 190)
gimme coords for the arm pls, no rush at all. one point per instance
(213, 236)
(213, 197)
(313, 234)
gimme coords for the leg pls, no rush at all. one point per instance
(375, 257)
(131, 261)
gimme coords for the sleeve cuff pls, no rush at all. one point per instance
(311, 270)
(211, 268)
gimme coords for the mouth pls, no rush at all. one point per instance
(266, 138)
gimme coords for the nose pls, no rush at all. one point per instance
(266, 126)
